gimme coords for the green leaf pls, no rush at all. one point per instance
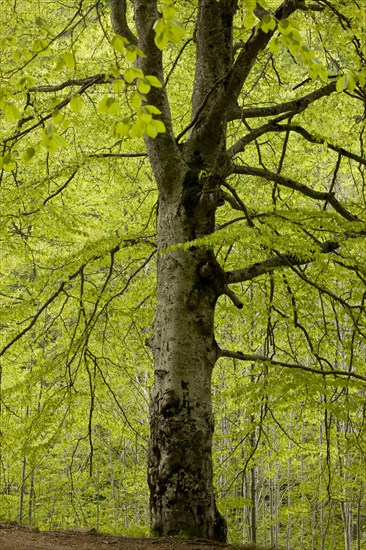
(131, 52)
(151, 131)
(8, 162)
(342, 83)
(351, 84)
(11, 111)
(60, 64)
(49, 129)
(176, 32)
(118, 85)
(143, 86)
(159, 126)
(131, 73)
(274, 45)
(17, 55)
(161, 40)
(69, 60)
(284, 26)
(57, 116)
(122, 128)
(138, 129)
(159, 26)
(168, 12)
(152, 109)
(268, 23)
(108, 105)
(136, 100)
(28, 155)
(154, 81)
(76, 103)
(40, 22)
(119, 43)
(39, 45)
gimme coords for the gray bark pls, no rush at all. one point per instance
(189, 177)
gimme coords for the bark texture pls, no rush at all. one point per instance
(189, 177)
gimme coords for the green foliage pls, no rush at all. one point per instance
(167, 28)
(77, 274)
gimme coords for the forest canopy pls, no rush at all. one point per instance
(182, 245)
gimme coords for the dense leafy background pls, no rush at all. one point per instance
(77, 237)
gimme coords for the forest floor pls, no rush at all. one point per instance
(17, 537)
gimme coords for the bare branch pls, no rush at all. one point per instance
(309, 137)
(118, 155)
(263, 359)
(238, 204)
(68, 83)
(276, 262)
(271, 126)
(296, 186)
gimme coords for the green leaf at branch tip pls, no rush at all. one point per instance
(131, 73)
(347, 82)
(119, 43)
(143, 86)
(167, 29)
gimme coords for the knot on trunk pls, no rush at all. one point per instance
(212, 282)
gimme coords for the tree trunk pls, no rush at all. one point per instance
(188, 177)
(185, 351)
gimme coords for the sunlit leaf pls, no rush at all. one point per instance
(76, 103)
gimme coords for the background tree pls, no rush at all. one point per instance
(259, 184)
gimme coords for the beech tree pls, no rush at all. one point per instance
(253, 120)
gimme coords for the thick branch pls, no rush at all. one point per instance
(119, 20)
(248, 55)
(297, 105)
(263, 359)
(163, 151)
(276, 262)
(218, 82)
(296, 186)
